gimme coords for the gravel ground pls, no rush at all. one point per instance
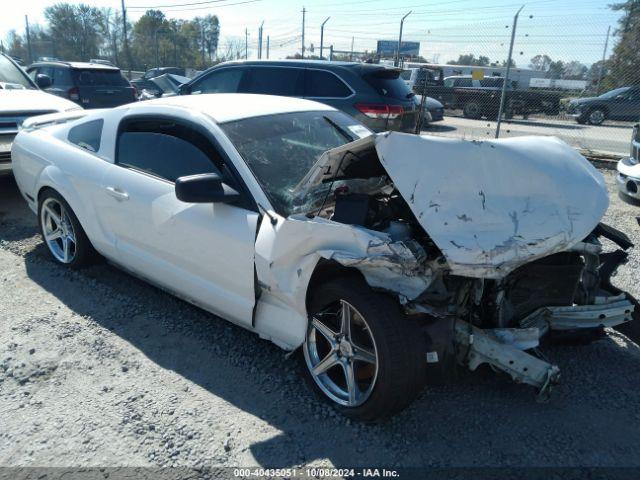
(100, 369)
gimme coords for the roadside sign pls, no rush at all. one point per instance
(477, 74)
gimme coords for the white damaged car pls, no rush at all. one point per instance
(385, 259)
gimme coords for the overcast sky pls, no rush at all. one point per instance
(563, 29)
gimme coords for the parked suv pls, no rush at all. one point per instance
(21, 98)
(619, 104)
(91, 85)
(628, 178)
(373, 94)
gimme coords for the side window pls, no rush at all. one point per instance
(276, 81)
(166, 149)
(61, 77)
(319, 83)
(222, 81)
(87, 135)
(464, 82)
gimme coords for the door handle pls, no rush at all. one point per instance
(117, 193)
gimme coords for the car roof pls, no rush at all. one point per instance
(78, 65)
(226, 107)
(359, 68)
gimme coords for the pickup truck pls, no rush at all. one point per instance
(21, 98)
(481, 98)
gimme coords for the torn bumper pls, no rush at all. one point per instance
(606, 312)
(503, 348)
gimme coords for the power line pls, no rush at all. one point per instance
(196, 8)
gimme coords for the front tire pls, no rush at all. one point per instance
(361, 353)
(61, 231)
(597, 116)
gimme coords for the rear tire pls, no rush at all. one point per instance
(472, 110)
(61, 231)
(386, 351)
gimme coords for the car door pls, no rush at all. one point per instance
(276, 80)
(633, 105)
(223, 80)
(203, 252)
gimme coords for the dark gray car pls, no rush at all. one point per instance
(619, 104)
(91, 85)
(373, 94)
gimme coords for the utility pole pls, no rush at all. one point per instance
(127, 52)
(604, 56)
(506, 75)
(26, 20)
(351, 54)
(202, 43)
(397, 61)
(260, 40)
(304, 11)
(246, 44)
(267, 47)
(322, 36)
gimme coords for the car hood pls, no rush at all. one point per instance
(169, 83)
(579, 101)
(18, 101)
(489, 206)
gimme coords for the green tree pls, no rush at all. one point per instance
(625, 61)
(74, 30)
(470, 59)
(540, 62)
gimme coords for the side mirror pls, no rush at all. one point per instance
(184, 89)
(43, 81)
(204, 188)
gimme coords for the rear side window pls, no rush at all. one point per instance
(99, 78)
(61, 77)
(220, 81)
(87, 135)
(166, 150)
(275, 81)
(388, 84)
(319, 83)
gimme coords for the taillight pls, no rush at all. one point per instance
(395, 111)
(380, 110)
(74, 93)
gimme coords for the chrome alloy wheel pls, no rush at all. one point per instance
(341, 355)
(58, 230)
(596, 117)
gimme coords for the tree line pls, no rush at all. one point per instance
(83, 32)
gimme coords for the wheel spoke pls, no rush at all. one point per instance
(363, 355)
(53, 216)
(345, 320)
(326, 332)
(352, 386)
(326, 363)
(65, 248)
(53, 235)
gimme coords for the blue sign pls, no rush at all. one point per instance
(387, 48)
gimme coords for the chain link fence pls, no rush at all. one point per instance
(562, 81)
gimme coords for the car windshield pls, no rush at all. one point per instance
(12, 77)
(281, 149)
(614, 93)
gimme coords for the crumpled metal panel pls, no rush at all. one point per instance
(494, 205)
